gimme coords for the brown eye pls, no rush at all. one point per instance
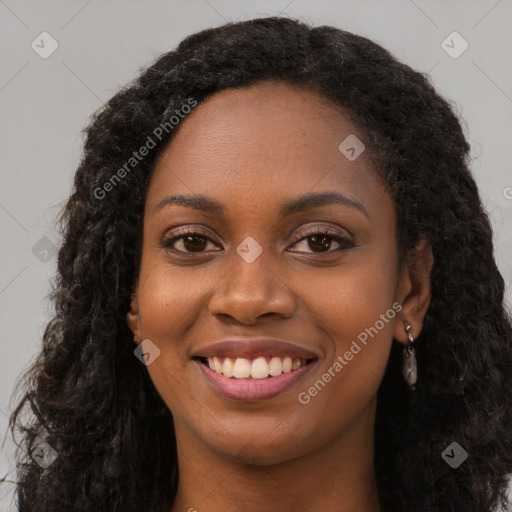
(319, 241)
(188, 241)
(194, 243)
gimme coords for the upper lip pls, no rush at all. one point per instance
(251, 348)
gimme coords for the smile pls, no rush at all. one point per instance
(253, 379)
(258, 368)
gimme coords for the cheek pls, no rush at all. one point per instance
(358, 296)
(169, 301)
(355, 309)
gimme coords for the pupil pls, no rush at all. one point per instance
(192, 242)
(323, 242)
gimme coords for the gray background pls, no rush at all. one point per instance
(44, 104)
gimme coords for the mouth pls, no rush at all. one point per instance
(250, 380)
(255, 368)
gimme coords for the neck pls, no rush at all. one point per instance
(338, 476)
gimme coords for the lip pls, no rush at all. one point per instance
(251, 348)
(251, 390)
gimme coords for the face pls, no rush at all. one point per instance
(267, 256)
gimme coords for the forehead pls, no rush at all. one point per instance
(262, 144)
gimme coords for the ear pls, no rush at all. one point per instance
(413, 291)
(133, 320)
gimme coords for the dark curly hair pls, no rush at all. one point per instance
(94, 402)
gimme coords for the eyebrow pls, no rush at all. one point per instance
(298, 204)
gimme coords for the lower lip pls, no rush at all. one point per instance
(251, 390)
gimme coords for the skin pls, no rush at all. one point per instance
(253, 149)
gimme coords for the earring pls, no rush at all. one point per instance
(410, 368)
(136, 338)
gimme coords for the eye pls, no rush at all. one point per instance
(321, 239)
(190, 241)
(194, 240)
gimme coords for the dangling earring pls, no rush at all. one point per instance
(410, 368)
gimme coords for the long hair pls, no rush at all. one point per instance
(91, 399)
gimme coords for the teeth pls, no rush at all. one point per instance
(241, 368)
(275, 366)
(227, 367)
(259, 368)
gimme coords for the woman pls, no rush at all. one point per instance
(276, 292)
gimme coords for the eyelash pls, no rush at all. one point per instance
(301, 235)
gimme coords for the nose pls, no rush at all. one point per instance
(252, 290)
